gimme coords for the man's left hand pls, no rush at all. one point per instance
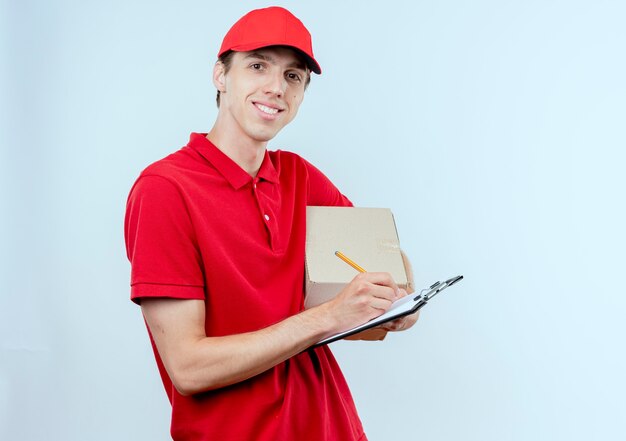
(402, 323)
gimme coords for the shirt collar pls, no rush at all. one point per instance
(232, 172)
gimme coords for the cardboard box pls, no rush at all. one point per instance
(368, 236)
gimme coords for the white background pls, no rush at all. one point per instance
(494, 130)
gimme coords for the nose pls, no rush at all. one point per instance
(276, 84)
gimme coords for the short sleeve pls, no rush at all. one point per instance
(321, 191)
(161, 243)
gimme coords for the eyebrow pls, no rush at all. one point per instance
(259, 56)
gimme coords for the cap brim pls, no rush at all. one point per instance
(313, 65)
(310, 61)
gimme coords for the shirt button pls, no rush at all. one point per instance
(266, 217)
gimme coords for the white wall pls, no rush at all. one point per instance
(494, 130)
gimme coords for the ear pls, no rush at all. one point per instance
(218, 76)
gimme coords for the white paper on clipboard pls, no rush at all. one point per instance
(401, 307)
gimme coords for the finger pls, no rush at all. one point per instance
(402, 323)
(384, 292)
(379, 304)
(395, 325)
(383, 279)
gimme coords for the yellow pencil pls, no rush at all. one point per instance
(350, 262)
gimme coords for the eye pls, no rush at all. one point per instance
(256, 66)
(293, 76)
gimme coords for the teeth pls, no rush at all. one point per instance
(267, 110)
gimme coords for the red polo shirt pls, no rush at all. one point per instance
(199, 227)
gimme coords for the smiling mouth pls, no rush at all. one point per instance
(268, 110)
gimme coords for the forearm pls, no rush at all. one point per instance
(204, 363)
(196, 362)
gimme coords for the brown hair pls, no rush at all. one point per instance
(227, 58)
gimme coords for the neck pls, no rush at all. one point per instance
(247, 153)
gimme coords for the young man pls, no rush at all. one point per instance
(215, 234)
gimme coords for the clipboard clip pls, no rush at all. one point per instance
(437, 287)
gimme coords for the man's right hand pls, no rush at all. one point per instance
(367, 296)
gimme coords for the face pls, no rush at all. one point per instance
(261, 92)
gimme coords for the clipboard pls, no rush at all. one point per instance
(405, 306)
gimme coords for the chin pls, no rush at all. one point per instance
(264, 136)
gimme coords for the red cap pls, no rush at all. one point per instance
(273, 26)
